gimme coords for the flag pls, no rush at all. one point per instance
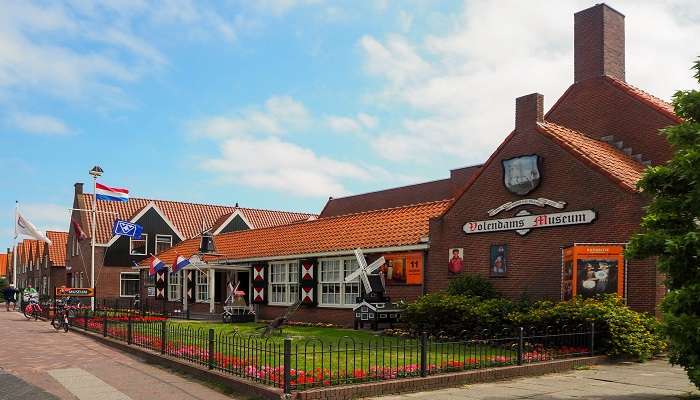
(24, 227)
(180, 263)
(79, 232)
(156, 265)
(106, 193)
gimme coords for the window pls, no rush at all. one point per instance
(80, 283)
(334, 291)
(202, 286)
(284, 282)
(163, 242)
(129, 284)
(76, 246)
(44, 285)
(175, 286)
(139, 247)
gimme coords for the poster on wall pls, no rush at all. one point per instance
(499, 262)
(591, 270)
(403, 269)
(456, 263)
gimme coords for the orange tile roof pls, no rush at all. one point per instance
(3, 264)
(391, 227)
(597, 154)
(57, 249)
(653, 101)
(188, 218)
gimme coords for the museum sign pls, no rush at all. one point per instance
(532, 221)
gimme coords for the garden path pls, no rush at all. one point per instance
(72, 366)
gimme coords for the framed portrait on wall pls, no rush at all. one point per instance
(499, 260)
(456, 261)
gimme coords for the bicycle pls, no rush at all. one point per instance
(33, 309)
(61, 321)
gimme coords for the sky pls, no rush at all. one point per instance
(280, 104)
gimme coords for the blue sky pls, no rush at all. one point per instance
(282, 103)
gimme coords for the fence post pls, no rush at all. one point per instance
(211, 348)
(287, 365)
(128, 330)
(85, 320)
(592, 337)
(104, 324)
(423, 354)
(163, 336)
(188, 313)
(521, 346)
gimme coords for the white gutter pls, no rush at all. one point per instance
(323, 254)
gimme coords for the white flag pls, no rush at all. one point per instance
(24, 227)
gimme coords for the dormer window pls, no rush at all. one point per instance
(139, 247)
(163, 242)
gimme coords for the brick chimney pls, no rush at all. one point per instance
(78, 188)
(529, 110)
(599, 43)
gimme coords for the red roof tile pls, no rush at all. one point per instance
(392, 227)
(401, 196)
(57, 249)
(188, 218)
(3, 264)
(597, 154)
(653, 101)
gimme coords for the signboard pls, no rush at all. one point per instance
(126, 228)
(531, 221)
(593, 269)
(75, 292)
(404, 268)
(151, 291)
(499, 260)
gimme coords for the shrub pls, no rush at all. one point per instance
(472, 285)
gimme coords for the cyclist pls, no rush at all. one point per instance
(10, 295)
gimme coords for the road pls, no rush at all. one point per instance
(38, 362)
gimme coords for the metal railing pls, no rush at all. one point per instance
(297, 364)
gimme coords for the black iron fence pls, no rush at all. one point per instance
(297, 363)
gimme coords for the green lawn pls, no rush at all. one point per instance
(339, 350)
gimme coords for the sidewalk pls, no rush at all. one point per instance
(72, 366)
(621, 381)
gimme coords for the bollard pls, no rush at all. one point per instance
(163, 336)
(104, 324)
(592, 344)
(211, 348)
(128, 330)
(521, 345)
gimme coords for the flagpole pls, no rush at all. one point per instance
(14, 253)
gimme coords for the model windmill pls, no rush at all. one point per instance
(373, 306)
(372, 282)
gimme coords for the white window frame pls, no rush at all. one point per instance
(144, 237)
(201, 281)
(285, 280)
(170, 240)
(175, 286)
(344, 303)
(135, 276)
(75, 248)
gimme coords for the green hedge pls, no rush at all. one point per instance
(623, 331)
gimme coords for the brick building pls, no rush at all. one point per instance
(42, 265)
(546, 216)
(165, 223)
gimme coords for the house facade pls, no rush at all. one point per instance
(165, 224)
(40, 264)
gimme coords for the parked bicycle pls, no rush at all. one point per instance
(62, 313)
(33, 309)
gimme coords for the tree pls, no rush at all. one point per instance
(670, 231)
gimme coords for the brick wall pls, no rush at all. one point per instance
(534, 260)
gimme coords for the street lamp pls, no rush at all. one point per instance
(96, 172)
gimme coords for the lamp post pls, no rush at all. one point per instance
(96, 171)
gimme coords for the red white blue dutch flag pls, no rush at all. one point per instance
(180, 263)
(106, 193)
(156, 265)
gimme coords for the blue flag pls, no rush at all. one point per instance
(126, 228)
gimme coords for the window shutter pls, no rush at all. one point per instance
(189, 275)
(259, 283)
(161, 284)
(308, 271)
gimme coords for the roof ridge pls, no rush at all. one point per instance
(645, 96)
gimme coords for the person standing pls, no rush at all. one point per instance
(10, 295)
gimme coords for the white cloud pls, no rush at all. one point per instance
(459, 87)
(281, 7)
(358, 124)
(46, 216)
(279, 115)
(277, 165)
(40, 124)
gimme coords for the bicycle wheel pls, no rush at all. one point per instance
(27, 311)
(65, 324)
(56, 323)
